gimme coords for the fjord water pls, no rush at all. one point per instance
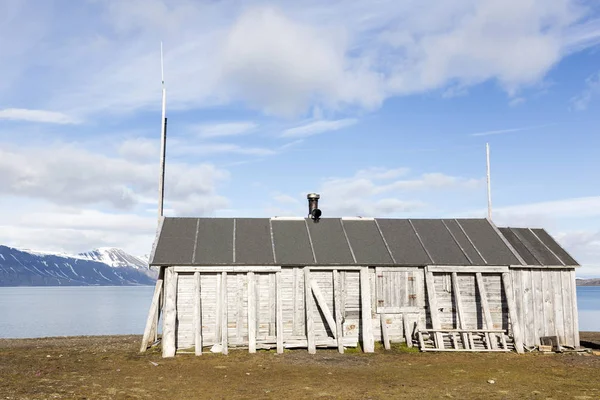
(29, 312)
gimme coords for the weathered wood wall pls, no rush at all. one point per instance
(544, 301)
(547, 304)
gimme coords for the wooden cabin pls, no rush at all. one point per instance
(441, 284)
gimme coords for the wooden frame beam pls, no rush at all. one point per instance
(365, 306)
(251, 313)
(279, 312)
(466, 269)
(512, 311)
(152, 320)
(197, 315)
(337, 300)
(433, 310)
(170, 314)
(308, 301)
(462, 320)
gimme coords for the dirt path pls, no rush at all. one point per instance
(110, 367)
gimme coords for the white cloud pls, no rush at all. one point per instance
(502, 131)
(582, 207)
(287, 59)
(71, 175)
(43, 116)
(317, 127)
(140, 149)
(182, 149)
(592, 88)
(224, 129)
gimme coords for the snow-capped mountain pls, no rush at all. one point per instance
(98, 267)
(118, 258)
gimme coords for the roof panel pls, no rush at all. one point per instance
(536, 247)
(179, 227)
(516, 243)
(253, 244)
(488, 242)
(555, 247)
(329, 241)
(464, 242)
(291, 241)
(367, 243)
(214, 245)
(174, 251)
(403, 242)
(439, 242)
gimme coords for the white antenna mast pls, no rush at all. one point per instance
(163, 138)
(489, 183)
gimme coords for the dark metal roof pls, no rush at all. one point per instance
(537, 247)
(349, 241)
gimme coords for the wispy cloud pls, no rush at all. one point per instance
(224, 129)
(50, 117)
(502, 131)
(317, 127)
(592, 88)
(181, 149)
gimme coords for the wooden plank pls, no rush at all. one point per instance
(462, 320)
(467, 269)
(239, 309)
(150, 321)
(340, 268)
(398, 310)
(295, 307)
(565, 276)
(197, 315)
(251, 313)
(279, 317)
(337, 299)
(433, 310)
(384, 332)
(464, 330)
(558, 307)
(365, 306)
(224, 321)
(512, 312)
(574, 308)
(308, 302)
(161, 302)
(170, 314)
(322, 304)
(538, 304)
(395, 269)
(234, 269)
(272, 305)
(218, 310)
(485, 306)
(407, 330)
(528, 310)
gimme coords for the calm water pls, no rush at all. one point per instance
(70, 311)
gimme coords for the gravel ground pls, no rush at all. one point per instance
(110, 367)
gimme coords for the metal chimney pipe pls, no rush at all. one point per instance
(313, 206)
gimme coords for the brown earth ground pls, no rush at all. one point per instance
(110, 367)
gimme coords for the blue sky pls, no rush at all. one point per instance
(382, 107)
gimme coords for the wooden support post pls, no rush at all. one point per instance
(251, 313)
(197, 315)
(462, 320)
(322, 304)
(219, 309)
(161, 296)
(279, 317)
(384, 333)
(433, 310)
(512, 312)
(151, 321)
(407, 330)
(170, 314)
(224, 322)
(487, 315)
(574, 311)
(365, 306)
(337, 299)
(308, 301)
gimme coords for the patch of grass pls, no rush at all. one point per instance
(403, 348)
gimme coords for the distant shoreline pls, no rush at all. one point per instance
(588, 282)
